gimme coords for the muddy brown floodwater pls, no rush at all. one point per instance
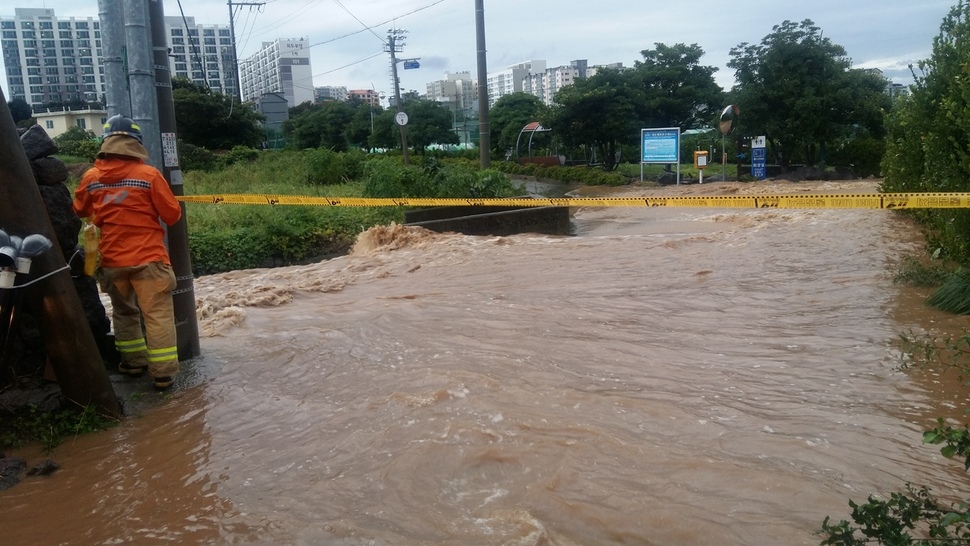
(666, 376)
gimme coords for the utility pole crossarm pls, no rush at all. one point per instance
(232, 35)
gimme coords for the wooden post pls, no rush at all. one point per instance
(71, 348)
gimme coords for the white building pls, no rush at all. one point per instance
(52, 60)
(545, 84)
(327, 92)
(281, 67)
(457, 91)
(201, 53)
(511, 79)
(61, 60)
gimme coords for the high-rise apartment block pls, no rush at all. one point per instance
(457, 91)
(201, 53)
(511, 79)
(51, 60)
(327, 92)
(280, 67)
(545, 84)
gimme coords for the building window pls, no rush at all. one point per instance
(65, 34)
(176, 32)
(47, 34)
(49, 124)
(26, 24)
(7, 24)
(46, 24)
(82, 123)
(178, 41)
(81, 24)
(208, 32)
(29, 34)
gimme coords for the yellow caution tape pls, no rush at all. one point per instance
(805, 201)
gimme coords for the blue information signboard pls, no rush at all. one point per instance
(408, 65)
(660, 145)
(759, 158)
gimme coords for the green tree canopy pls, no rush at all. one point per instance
(508, 116)
(798, 89)
(213, 120)
(321, 126)
(928, 132)
(428, 123)
(599, 113)
(677, 91)
(19, 109)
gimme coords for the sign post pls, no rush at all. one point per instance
(759, 158)
(660, 146)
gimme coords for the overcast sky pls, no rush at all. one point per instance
(347, 36)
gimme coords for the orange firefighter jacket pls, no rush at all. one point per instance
(126, 198)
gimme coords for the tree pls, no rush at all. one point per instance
(798, 89)
(213, 120)
(361, 125)
(19, 109)
(598, 112)
(508, 116)
(677, 91)
(429, 123)
(322, 126)
(928, 134)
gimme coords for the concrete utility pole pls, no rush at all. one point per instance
(183, 297)
(113, 39)
(232, 35)
(393, 46)
(141, 77)
(484, 141)
(71, 348)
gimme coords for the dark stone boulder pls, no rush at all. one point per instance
(44, 468)
(10, 470)
(37, 143)
(67, 225)
(49, 171)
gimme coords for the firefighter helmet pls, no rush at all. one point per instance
(120, 125)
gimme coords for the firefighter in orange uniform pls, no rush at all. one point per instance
(125, 198)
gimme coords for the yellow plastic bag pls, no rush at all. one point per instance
(91, 237)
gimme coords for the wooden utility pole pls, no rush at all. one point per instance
(71, 348)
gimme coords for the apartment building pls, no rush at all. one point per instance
(201, 53)
(511, 79)
(458, 91)
(544, 85)
(367, 96)
(326, 92)
(283, 67)
(49, 59)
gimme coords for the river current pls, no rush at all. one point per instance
(665, 376)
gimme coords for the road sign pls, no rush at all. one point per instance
(401, 118)
(411, 64)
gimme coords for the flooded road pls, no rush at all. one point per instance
(665, 376)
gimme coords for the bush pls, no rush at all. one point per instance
(77, 142)
(240, 154)
(325, 167)
(195, 158)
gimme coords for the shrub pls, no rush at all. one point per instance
(195, 158)
(325, 166)
(77, 142)
(239, 154)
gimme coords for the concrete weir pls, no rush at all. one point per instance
(492, 220)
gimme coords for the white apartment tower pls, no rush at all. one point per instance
(61, 60)
(280, 67)
(457, 91)
(201, 53)
(52, 60)
(510, 80)
(545, 84)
